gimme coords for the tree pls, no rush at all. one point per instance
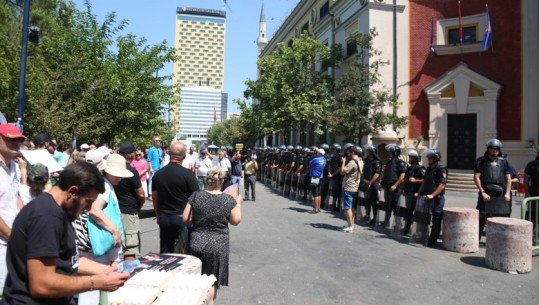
(361, 98)
(290, 91)
(84, 74)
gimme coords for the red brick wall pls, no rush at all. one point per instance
(502, 63)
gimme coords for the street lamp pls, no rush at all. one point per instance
(22, 78)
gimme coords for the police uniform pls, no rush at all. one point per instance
(409, 189)
(370, 168)
(532, 171)
(393, 170)
(434, 176)
(493, 182)
(335, 163)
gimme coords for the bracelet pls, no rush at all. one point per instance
(91, 282)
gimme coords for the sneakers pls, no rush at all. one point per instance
(348, 229)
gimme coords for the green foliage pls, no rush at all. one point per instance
(83, 73)
(359, 110)
(230, 132)
(290, 91)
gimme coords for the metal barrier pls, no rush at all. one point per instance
(529, 210)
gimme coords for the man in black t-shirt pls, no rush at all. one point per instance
(171, 187)
(42, 259)
(130, 196)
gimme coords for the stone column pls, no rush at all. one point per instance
(509, 245)
(461, 230)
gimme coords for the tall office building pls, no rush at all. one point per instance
(200, 45)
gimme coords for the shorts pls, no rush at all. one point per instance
(132, 234)
(349, 200)
(316, 189)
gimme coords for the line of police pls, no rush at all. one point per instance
(287, 168)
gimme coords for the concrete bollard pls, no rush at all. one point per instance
(509, 245)
(461, 230)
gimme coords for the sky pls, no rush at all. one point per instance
(155, 20)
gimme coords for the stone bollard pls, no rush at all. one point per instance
(461, 230)
(509, 245)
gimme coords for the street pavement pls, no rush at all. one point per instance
(281, 254)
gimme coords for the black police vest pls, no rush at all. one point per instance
(416, 171)
(390, 173)
(370, 168)
(493, 172)
(532, 169)
(430, 183)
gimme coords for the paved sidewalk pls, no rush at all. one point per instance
(281, 254)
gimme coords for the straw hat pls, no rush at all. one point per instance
(116, 166)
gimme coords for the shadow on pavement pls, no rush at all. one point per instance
(324, 226)
(299, 210)
(476, 261)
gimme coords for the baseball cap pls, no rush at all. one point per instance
(126, 148)
(38, 173)
(84, 146)
(11, 132)
(95, 156)
(320, 151)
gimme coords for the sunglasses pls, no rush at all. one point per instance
(14, 140)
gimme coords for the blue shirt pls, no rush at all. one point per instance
(317, 166)
(154, 157)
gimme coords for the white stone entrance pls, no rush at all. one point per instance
(462, 91)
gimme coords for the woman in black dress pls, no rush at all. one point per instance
(211, 211)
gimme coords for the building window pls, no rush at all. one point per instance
(305, 27)
(351, 48)
(469, 35)
(324, 10)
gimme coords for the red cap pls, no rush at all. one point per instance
(11, 131)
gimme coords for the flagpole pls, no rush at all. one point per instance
(460, 28)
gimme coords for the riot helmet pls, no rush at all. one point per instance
(357, 150)
(325, 147)
(299, 148)
(290, 148)
(337, 147)
(394, 150)
(414, 156)
(494, 143)
(432, 153)
(282, 148)
(371, 150)
(306, 150)
(348, 146)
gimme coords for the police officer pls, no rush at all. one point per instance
(392, 180)
(335, 177)
(413, 177)
(531, 183)
(433, 188)
(372, 168)
(305, 170)
(492, 176)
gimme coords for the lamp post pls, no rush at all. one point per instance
(22, 77)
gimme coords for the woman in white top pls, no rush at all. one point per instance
(36, 181)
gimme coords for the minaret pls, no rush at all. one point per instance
(262, 40)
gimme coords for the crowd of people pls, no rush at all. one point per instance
(74, 224)
(348, 176)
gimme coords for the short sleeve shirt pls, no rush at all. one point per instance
(352, 176)
(41, 229)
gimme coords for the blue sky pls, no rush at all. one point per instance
(155, 20)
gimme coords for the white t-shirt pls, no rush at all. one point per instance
(203, 166)
(24, 193)
(9, 193)
(224, 164)
(188, 161)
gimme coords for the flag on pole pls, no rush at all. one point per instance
(460, 24)
(73, 145)
(488, 33)
(432, 35)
